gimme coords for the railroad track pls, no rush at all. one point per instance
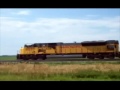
(59, 60)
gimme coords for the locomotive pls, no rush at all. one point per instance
(88, 49)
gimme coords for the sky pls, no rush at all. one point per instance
(27, 26)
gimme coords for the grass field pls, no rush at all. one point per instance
(7, 57)
(59, 72)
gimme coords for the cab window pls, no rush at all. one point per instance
(110, 47)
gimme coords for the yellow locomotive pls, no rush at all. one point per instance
(88, 49)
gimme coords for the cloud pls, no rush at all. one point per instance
(16, 32)
(23, 12)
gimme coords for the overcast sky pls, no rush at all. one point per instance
(27, 26)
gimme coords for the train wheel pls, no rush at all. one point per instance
(91, 56)
(35, 58)
(83, 56)
(25, 57)
(111, 57)
(30, 57)
(43, 57)
(101, 57)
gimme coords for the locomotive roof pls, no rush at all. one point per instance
(100, 42)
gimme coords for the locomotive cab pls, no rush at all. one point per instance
(113, 48)
(112, 45)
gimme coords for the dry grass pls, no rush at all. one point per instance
(56, 69)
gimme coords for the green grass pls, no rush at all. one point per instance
(58, 72)
(87, 75)
(77, 62)
(11, 73)
(7, 57)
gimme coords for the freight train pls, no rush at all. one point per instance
(88, 49)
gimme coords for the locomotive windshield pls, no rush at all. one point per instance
(110, 47)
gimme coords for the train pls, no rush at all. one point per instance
(100, 49)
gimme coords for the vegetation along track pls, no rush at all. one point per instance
(59, 60)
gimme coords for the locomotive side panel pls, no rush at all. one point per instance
(90, 49)
(94, 49)
(50, 51)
